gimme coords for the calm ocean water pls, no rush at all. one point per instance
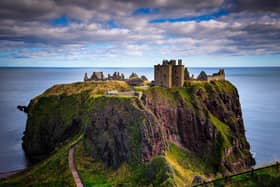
(259, 91)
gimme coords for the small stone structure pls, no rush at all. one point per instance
(202, 76)
(112, 92)
(99, 76)
(220, 75)
(96, 76)
(133, 79)
(217, 76)
(170, 74)
(116, 76)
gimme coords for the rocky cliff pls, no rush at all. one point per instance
(203, 120)
(206, 119)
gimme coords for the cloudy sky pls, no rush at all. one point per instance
(102, 33)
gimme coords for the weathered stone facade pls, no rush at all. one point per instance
(169, 74)
(116, 76)
(133, 80)
(96, 76)
(217, 76)
(220, 75)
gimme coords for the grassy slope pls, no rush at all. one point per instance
(95, 88)
(95, 173)
(177, 165)
(268, 177)
(183, 165)
(53, 171)
(186, 165)
(264, 177)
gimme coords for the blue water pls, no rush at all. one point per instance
(258, 88)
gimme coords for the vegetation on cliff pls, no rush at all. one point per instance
(206, 119)
(52, 172)
(169, 137)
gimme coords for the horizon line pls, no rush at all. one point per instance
(86, 67)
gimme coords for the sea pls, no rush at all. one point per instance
(259, 91)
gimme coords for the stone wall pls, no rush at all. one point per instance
(217, 76)
(177, 75)
(163, 75)
(169, 74)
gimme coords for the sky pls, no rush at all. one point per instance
(137, 33)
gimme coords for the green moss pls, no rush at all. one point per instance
(135, 140)
(269, 176)
(186, 165)
(163, 94)
(53, 171)
(223, 129)
(93, 87)
(157, 172)
(95, 173)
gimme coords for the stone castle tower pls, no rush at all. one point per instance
(169, 74)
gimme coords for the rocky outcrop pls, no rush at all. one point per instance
(23, 108)
(116, 129)
(121, 131)
(51, 121)
(204, 118)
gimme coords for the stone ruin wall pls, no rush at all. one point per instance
(169, 74)
(163, 75)
(216, 77)
(178, 75)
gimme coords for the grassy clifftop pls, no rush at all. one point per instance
(170, 137)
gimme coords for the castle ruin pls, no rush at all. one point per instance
(170, 74)
(133, 80)
(220, 75)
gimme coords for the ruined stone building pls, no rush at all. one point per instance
(96, 76)
(220, 75)
(116, 76)
(133, 80)
(169, 74)
(217, 76)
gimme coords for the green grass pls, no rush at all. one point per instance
(53, 171)
(92, 87)
(223, 129)
(186, 165)
(164, 94)
(96, 173)
(263, 177)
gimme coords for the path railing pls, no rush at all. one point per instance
(229, 179)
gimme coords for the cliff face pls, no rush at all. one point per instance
(51, 121)
(206, 119)
(203, 119)
(121, 131)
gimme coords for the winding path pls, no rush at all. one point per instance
(73, 168)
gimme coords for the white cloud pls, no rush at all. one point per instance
(27, 24)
